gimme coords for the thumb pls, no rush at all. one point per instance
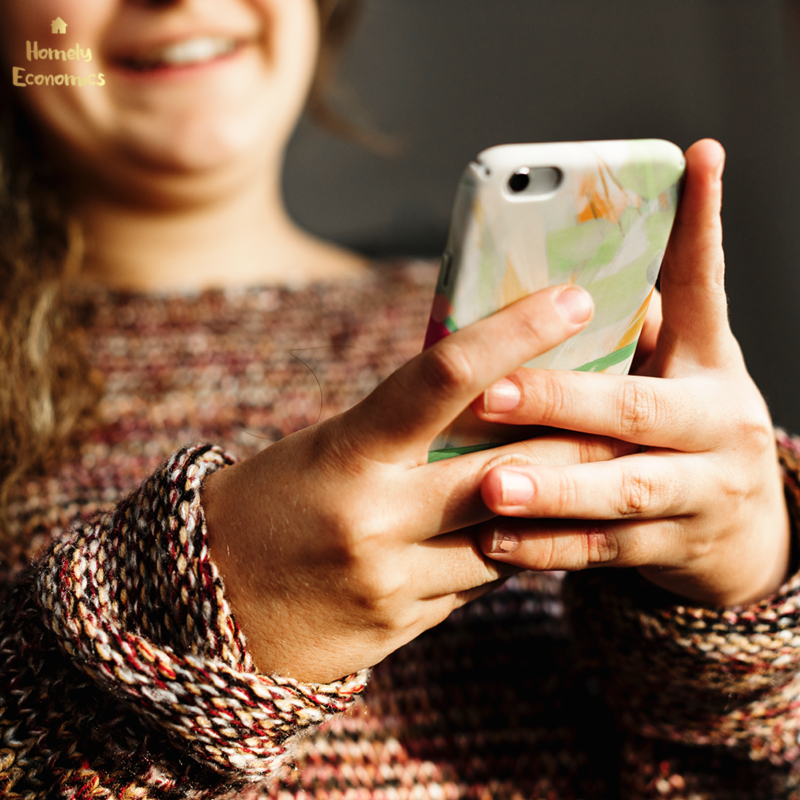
(695, 326)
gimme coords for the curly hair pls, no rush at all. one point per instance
(48, 388)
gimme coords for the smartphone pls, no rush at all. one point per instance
(528, 216)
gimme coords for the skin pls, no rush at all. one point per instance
(176, 173)
(700, 512)
(340, 543)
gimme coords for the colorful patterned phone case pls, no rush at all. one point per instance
(528, 216)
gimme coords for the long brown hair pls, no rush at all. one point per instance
(47, 387)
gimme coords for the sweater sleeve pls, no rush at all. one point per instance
(123, 669)
(724, 678)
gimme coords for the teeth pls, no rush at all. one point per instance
(195, 50)
(180, 54)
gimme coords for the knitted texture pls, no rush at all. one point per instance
(134, 601)
(699, 675)
(123, 674)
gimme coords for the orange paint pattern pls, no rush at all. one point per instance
(512, 288)
(602, 202)
(632, 333)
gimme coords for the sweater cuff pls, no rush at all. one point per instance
(698, 675)
(135, 601)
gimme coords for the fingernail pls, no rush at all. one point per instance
(574, 304)
(501, 397)
(516, 489)
(504, 541)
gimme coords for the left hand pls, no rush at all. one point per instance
(700, 511)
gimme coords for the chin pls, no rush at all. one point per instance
(191, 130)
(195, 146)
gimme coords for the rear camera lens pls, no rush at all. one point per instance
(519, 181)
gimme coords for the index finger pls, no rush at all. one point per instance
(680, 414)
(403, 415)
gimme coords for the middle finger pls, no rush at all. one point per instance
(651, 485)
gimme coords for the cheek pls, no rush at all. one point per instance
(250, 105)
(293, 27)
(27, 28)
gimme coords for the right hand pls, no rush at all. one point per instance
(340, 543)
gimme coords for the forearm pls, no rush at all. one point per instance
(698, 675)
(124, 666)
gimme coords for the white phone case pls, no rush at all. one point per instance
(528, 216)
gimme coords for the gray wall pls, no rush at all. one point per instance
(451, 77)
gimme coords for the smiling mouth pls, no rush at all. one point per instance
(187, 53)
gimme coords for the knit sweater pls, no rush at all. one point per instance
(123, 672)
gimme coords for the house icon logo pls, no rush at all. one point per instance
(56, 74)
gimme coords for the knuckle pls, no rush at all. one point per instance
(590, 449)
(640, 409)
(353, 536)
(530, 329)
(565, 498)
(637, 494)
(380, 596)
(369, 582)
(734, 486)
(698, 548)
(752, 425)
(718, 270)
(545, 556)
(551, 398)
(360, 540)
(528, 457)
(374, 589)
(446, 367)
(707, 249)
(600, 547)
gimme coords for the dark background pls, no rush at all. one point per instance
(449, 78)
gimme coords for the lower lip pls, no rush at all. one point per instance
(166, 72)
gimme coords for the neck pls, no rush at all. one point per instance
(240, 237)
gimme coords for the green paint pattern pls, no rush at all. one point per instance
(602, 364)
(450, 452)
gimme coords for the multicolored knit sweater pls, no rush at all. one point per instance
(123, 673)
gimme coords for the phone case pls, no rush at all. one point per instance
(597, 214)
